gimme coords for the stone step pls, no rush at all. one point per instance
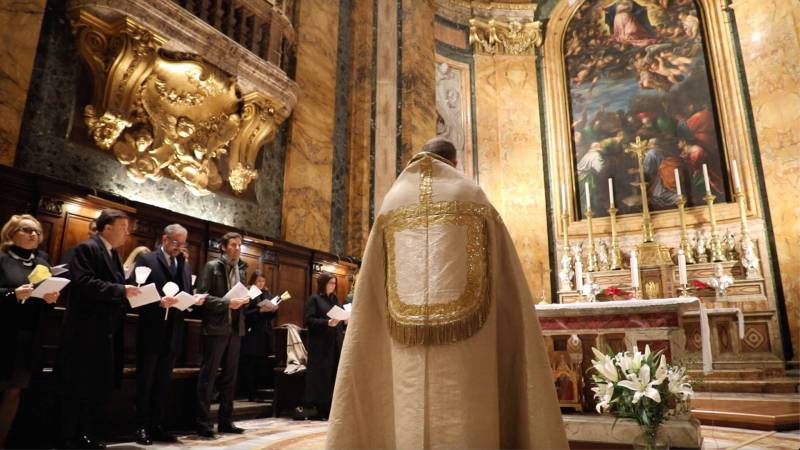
(777, 385)
(748, 411)
(728, 374)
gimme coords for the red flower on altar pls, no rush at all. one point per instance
(700, 285)
(614, 291)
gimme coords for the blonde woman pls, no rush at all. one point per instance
(19, 312)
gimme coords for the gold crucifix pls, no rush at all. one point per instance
(639, 147)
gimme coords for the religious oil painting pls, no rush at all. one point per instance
(639, 69)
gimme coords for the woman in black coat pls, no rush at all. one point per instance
(258, 342)
(325, 337)
(19, 312)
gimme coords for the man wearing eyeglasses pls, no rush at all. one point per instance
(159, 339)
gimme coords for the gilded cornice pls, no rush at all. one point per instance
(160, 111)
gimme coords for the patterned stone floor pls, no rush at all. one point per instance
(291, 435)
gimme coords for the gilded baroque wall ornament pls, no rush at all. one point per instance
(169, 112)
(513, 37)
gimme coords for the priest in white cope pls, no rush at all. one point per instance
(443, 349)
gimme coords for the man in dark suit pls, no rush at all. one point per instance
(221, 334)
(90, 361)
(158, 340)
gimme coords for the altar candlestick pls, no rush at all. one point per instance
(563, 198)
(588, 198)
(705, 178)
(682, 267)
(736, 181)
(611, 192)
(678, 182)
(634, 269)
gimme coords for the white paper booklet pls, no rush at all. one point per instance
(237, 291)
(58, 270)
(148, 294)
(254, 292)
(338, 313)
(52, 284)
(185, 300)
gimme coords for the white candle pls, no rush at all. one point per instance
(705, 178)
(578, 275)
(634, 270)
(682, 267)
(678, 181)
(610, 192)
(736, 181)
(563, 198)
(588, 199)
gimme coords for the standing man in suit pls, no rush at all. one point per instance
(159, 341)
(90, 362)
(221, 333)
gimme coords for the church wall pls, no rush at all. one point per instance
(20, 23)
(360, 127)
(418, 83)
(510, 162)
(769, 36)
(53, 142)
(309, 158)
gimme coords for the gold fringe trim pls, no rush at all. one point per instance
(422, 333)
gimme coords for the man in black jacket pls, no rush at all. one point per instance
(221, 332)
(159, 340)
(90, 362)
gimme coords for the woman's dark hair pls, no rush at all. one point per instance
(324, 277)
(255, 276)
(107, 217)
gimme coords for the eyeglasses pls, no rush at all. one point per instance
(29, 230)
(179, 244)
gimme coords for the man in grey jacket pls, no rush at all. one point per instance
(221, 333)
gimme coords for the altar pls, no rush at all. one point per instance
(572, 329)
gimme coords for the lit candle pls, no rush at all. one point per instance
(563, 198)
(682, 267)
(610, 192)
(736, 181)
(705, 178)
(588, 199)
(578, 275)
(634, 270)
(678, 181)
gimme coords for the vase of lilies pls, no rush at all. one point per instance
(641, 387)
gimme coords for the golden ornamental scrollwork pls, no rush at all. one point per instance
(162, 112)
(512, 38)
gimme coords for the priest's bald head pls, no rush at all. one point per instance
(442, 147)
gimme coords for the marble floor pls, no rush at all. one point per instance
(282, 433)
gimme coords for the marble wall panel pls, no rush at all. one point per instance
(20, 23)
(418, 88)
(308, 173)
(385, 100)
(769, 33)
(359, 139)
(510, 158)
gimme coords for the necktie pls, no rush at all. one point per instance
(117, 264)
(173, 266)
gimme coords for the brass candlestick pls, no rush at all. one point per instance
(716, 245)
(748, 256)
(639, 148)
(616, 254)
(591, 258)
(685, 245)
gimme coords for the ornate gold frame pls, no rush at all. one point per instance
(730, 105)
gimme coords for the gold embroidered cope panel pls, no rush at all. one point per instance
(171, 112)
(437, 266)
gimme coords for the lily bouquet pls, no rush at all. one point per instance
(641, 387)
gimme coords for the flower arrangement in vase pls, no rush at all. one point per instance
(641, 387)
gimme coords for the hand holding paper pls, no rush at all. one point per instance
(147, 294)
(49, 286)
(338, 313)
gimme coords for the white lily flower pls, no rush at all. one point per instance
(642, 385)
(632, 364)
(604, 365)
(603, 392)
(679, 384)
(662, 370)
